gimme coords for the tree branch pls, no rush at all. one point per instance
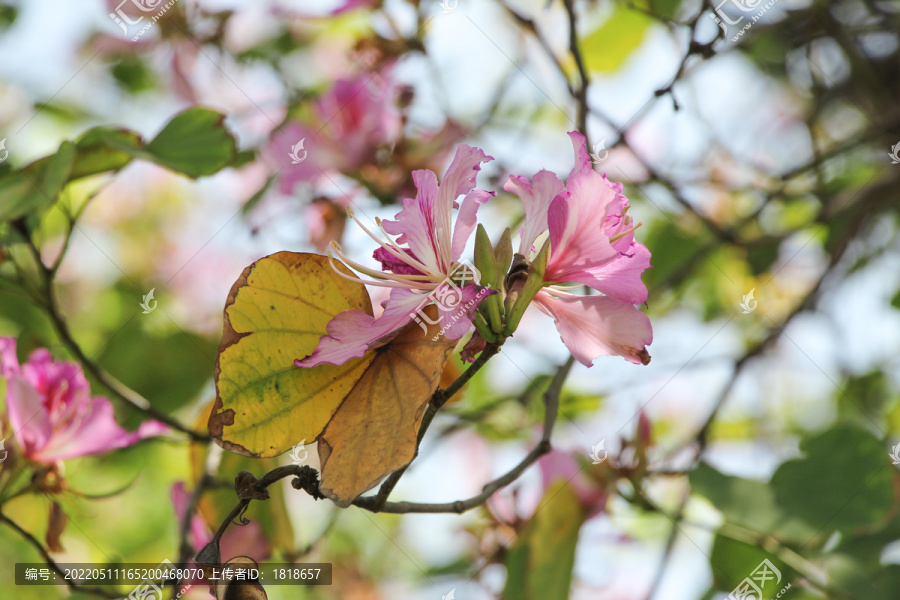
(185, 550)
(551, 403)
(53, 564)
(119, 389)
(304, 478)
(580, 92)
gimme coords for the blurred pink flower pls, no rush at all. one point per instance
(419, 272)
(348, 125)
(592, 243)
(563, 465)
(52, 413)
(326, 219)
(353, 4)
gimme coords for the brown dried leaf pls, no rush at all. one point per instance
(374, 431)
(56, 524)
(247, 487)
(232, 589)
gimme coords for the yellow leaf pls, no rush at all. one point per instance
(374, 431)
(607, 48)
(276, 312)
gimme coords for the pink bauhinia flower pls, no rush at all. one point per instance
(52, 413)
(349, 123)
(421, 265)
(591, 243)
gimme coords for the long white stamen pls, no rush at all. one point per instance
(558, 291)
(400, 255)
(413, 262)
(363, 281)
(381, 278)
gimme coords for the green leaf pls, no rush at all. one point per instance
(868, 546)
(8, 15)
(539, 567)
(194, 143)
(104, 149)
(56, 173)
(850, 576)
(865, 396)
(609, 46)
(844, 481)
(732, 561)
(680, 250)
(762, 256)
(133, 74)
(36, 187)
(667, 9)
(747, 503)
(516, 573)
(19, 196)
(182, 361)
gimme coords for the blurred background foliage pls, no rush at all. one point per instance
(762, 163)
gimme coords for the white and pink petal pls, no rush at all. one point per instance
(575, 221)
(536, 198)
(466, 221)
(352, 333)
(593, 326)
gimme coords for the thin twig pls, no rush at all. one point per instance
(45, 554)
(459, 506)
(580, 93)
(551, 403)
(302, 473)
(185, 549)
(119, 389)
